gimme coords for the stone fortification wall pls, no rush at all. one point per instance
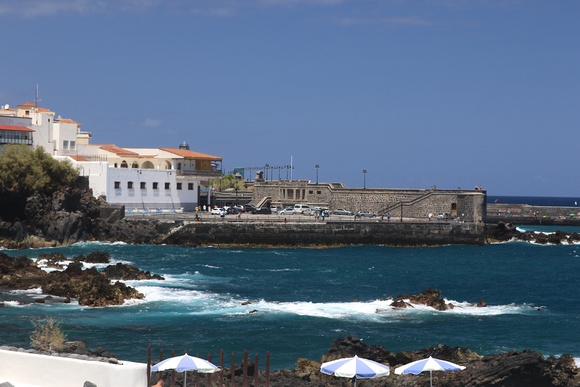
(393, 233)
(528, 214)
(469, 205)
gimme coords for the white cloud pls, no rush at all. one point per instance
(34, 8)
(152, 122)
(395, 21)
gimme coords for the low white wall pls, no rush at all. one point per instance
(54, 371)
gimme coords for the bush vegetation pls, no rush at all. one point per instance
(23, 170)
(47, 335)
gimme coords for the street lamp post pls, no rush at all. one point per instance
(267, 167)
(364, 179)
(317, 166)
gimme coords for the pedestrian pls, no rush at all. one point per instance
(388, 216)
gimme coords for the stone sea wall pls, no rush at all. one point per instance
(328, 234)
(528, 214)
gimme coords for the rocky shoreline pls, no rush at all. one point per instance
(513, 368)
(90, 287)
(73, 215)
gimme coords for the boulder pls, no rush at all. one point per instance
(94, 257)
(429, 297)
(124, 272)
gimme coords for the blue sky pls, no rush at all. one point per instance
(451, 93)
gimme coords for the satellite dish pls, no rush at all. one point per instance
(6, 106)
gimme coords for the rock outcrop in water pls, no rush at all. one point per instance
(514, 368)
(511, 369)
(91, 287)
(503, 232)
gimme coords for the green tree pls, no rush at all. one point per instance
(24, 170)
(227, 181)
(47, 335)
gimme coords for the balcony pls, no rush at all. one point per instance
(210, 173)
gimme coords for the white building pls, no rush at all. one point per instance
(141, 179)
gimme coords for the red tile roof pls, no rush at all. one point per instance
(119, 151)
(27, 104)
(191, 154)
(67, 121)
(17, 128)
(77, 158)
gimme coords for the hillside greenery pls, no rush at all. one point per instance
(24, 170)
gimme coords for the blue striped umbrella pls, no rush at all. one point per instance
(430, 365)
(355, 367)
(186, 363)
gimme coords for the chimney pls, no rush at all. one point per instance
(184, 146)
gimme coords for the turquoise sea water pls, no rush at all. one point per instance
(303, 300)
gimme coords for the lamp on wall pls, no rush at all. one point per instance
(364, 179)
(317, 166)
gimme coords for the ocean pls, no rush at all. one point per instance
(304, 298)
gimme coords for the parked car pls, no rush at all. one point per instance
(234, 210)
(287, 211)
(309, 211)
(300, 208)
(341, 211)
(443, 215)
(366, 214)
(217, 211)
(248, 207)
(261, 210)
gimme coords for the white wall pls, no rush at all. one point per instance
(53, 371)
(102, 180)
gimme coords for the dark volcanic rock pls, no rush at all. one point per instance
(95, 257)
(121, 271)
(502, 232)
(90, 287)
(429, 297)
(515, 368)
(53, 260)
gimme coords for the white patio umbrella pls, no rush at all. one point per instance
(355, 367)
(186, 363)
(430, 365)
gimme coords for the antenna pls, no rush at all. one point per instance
(36, 99)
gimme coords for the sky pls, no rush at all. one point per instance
(446, 93)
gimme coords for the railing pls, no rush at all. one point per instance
(213, 173)
(221, 376)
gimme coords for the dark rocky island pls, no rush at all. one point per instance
(90, 286)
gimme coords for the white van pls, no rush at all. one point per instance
(299, 208)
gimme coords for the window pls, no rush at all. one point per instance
(65, 145)
(130, 184)
(178, 185)
(167, 185)
(73, 145)
(117, 185)
(318, 192)
(155, 185)
(310, 192)
(143, 185)
(190, 186)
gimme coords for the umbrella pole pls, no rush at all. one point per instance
(354, 380)
(431, 377)
(184, 378)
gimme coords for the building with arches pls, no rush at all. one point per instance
(141, 179)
